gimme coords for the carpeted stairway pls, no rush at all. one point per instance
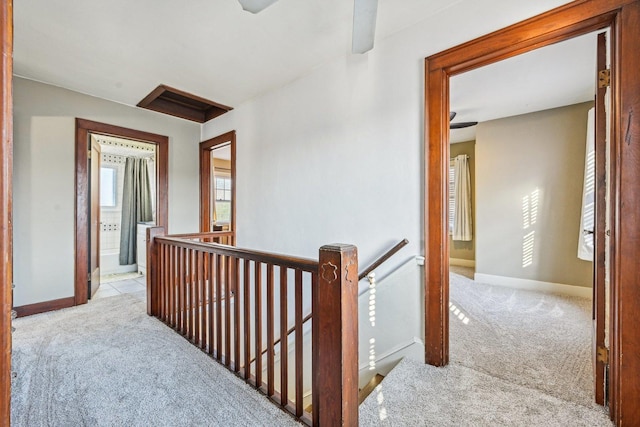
(109, 364)
(518, 358)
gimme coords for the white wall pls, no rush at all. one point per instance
(336, 156)
(529, 178)
(44, 174)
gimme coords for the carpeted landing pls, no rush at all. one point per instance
(109, 364)
(518, 358)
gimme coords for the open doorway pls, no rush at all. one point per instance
(127, 188)
(217, 186)
(560, 24)
(522, 310)
(530, 158)
(91, 139)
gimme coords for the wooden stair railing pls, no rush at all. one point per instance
(189, 287)
(384, 257)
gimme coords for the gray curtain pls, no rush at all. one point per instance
(136, 206)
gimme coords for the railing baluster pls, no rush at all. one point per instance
(298, 344)
(167, 279)
(218, 297)
(188, 295)
(246, 298)
(160, 288)
(284, 339)
(210, 306)
(270, 339)
(314, 330)
(173, 284)
(236, 314)
(258, 321)
(201, 301)
(195, 288)
(227, 311)
(181, 293)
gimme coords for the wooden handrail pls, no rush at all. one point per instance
(303, 264)
(205, 234)
(383, 258)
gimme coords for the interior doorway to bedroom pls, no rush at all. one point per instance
(528, 240)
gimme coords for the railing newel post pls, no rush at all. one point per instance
(153, 270)
(335, 337)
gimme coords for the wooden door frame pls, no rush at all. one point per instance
(228, 138)
(6, 198)
(598, 311)
(83, 129)
(565, 22)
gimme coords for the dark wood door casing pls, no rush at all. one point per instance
(565, 22)
(600, 224)
(228, 138)
(83, 129)
(6, 198)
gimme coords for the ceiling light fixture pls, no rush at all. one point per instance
(364, 25)
(364, 21)
(255, 6)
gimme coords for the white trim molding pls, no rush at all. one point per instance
(534, 285)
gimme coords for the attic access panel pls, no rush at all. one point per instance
(174, 102)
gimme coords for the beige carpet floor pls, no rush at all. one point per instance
(518, 358)
(109, 364)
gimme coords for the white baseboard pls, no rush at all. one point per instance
(462, 262)
(534, 285)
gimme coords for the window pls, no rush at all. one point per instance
(223, 199)
(108, 187)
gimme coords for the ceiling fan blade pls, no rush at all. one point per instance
(452, 115)
(364, 25)
(255, 6)
(462, 125)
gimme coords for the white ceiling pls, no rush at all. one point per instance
(223, 153)
(553, 76)
(121, 49)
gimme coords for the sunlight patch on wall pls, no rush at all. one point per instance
(530, 204)
(528, 242)
(530, 209)
(372, 299)
(372, 319)
(372, 354)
